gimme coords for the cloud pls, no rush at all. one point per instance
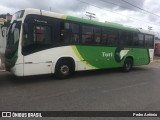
(105, 10)
(55, 5)
(154, 7)
(118, 4)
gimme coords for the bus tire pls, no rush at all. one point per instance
(128, 64)
(63, 69)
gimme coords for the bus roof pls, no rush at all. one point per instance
(146, 31)
(82, 20)
(107, 24)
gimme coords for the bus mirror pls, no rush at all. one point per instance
(25, 28)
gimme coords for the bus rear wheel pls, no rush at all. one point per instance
(128, 64)
(63, 70)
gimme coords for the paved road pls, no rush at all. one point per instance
(104, 90)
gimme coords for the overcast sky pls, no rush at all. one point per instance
(118, 11)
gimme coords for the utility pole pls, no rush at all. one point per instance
(50, 8)
(149, 28)
(90, 15)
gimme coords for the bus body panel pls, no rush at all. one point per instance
(112, 57)
(151, 54)
(44, 62)
(17, 70)
(86, 56)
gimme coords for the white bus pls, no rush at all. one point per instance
(43, 42)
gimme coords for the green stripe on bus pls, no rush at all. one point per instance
(110, 57)
(76, 51)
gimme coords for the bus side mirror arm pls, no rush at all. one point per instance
(25, 28)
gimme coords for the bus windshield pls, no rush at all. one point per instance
(12, 39)
(17, 15)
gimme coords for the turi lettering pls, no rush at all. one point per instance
(105, 54)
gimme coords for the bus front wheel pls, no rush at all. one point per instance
(128, 65)
(63, 69)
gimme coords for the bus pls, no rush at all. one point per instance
(44, 42)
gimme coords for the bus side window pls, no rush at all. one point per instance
(104, 36)
(87, 34)
(141, 40)
(65, 33)
(112, 38)
(138, 40)
(39, 35)
(75, 33)
(125, 38)
(42, 34)
(97, 35)
(149, 41)
(135, 39)
(69, 33)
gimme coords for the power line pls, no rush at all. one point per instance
(117, 13)
(115, 4)
(126, 7)
(140, 8)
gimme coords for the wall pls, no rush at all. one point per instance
(2, 44)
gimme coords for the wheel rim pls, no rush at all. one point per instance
(64, 69)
